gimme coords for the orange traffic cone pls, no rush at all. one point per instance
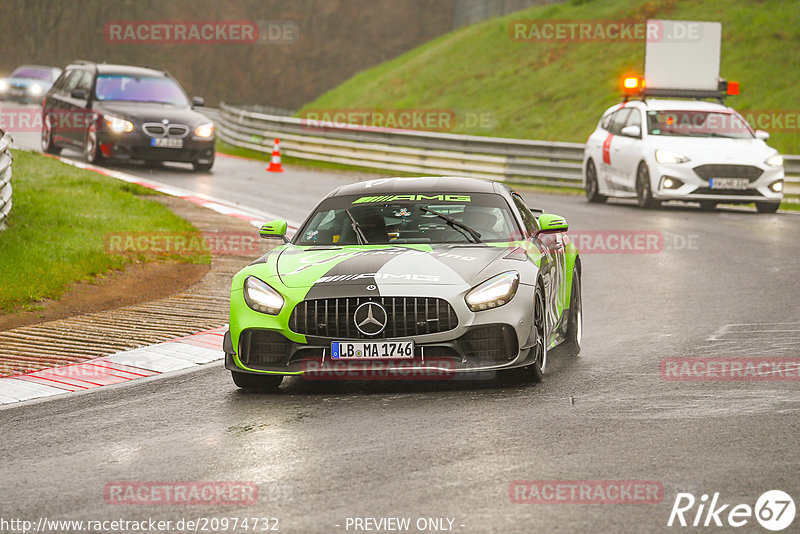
(275, 162)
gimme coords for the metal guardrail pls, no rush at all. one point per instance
(518, 160)
(5, 177)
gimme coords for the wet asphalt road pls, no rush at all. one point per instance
(724, 284)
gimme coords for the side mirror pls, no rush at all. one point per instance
(550, 223)
(631, 131)
(80, 94)
(198, 101)
(274, 229)
(761, 134)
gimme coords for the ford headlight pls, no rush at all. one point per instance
(204, 130)
(776, 160)
(117, 125)
(261, 297)
(668, 156)
(494, 292)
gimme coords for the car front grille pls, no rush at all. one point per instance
(157, 129)
(259, 348)
(707, 172)
(406, 316)
(727, 192)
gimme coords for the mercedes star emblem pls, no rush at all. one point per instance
(370, 318)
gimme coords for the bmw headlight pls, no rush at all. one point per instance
(36, 89)
(776, 160)
(204, 130)
(262, 298)
(494, 292)
(668, 156)
(118, 125)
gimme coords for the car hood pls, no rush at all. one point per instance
(27, 82)
(150, 112)
(421, 265)
(701, 150)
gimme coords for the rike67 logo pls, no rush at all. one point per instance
(774, 510)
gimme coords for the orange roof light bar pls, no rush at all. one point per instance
(732, 89)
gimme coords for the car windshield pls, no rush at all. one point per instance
(681, 123)
(400, 218)
(139, 89)
(36, 74)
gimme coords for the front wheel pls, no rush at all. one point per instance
(644, 193)
(252, 382)
(767, 207)
(535, 371)
(572, 344)
(91, 148)
(592, 187)
(48, 147)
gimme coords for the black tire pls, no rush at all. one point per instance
(535, 371)
(592, 187)
(91, 146)
(251, 382)
(203, 167)
(644, 193)
(708, 205)
(48, 147)
(767, 207)
(572, 344)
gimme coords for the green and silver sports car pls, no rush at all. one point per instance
(407, 277)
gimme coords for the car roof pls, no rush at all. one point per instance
(41, 67)
(422, 184)
(130, 70)
(657, 104)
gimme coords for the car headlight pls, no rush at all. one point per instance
(262, 298)
(668, 156)
(776, 160)
(36, 89)
(117, 125)
(204, 130)
(3, 86)
(494, 292)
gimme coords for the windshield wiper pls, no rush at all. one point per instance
(456, 225)
(356, 228)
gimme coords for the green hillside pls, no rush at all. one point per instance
(557, 90)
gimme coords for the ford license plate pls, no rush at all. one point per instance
(729, 183)
(166, 142)
(372, 350)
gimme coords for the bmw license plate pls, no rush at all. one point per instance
(166, 142)
(377, 350)
(729, 183)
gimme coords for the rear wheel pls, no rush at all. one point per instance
(91, 148)
(48, 147)
(644, 194)
(251, 382)
(572, 345)
(767, 207)
(592, 188)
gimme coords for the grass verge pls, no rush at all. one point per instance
(58, 225)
